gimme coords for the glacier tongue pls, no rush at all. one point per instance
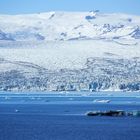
(98, 74)
(93, 65)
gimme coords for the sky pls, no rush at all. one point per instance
(37, 6)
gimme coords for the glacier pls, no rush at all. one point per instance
(70, 51)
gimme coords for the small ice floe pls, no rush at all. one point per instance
(61, 92)
(109, 94)
(7, 98)
(131, 102)
(64, 92)
(32, 98)
(71, 99)
(84, 95)
(39, 98)
(16, 110)
(101, 101)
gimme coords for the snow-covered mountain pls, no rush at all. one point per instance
(70, 51)
(69, 26)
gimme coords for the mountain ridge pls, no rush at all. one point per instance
(53, 26)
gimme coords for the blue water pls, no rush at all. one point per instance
(59, 117)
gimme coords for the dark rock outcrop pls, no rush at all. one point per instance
(114, 113)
